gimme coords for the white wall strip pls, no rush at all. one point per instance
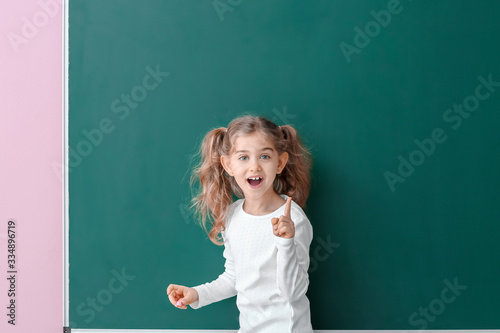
(65, 163)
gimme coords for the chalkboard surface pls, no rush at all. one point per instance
(399, 102)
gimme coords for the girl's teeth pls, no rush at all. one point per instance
(254, 181)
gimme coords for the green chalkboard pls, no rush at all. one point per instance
(398, 101)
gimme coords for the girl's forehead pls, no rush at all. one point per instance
(252, 142)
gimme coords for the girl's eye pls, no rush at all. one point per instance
(243, 156)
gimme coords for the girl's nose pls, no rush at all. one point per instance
(255, 165)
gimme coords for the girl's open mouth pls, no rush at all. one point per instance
(254, 182)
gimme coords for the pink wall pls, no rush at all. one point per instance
(31, 113)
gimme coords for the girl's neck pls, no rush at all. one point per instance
(264, 205)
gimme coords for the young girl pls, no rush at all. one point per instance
(266, 233)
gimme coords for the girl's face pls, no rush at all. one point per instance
(254, 157)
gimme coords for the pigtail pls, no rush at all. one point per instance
(295, 180)
(214, 197)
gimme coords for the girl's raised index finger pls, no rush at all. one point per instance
(288, 207)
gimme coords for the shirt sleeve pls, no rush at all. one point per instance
(293, 259)
(221, 288)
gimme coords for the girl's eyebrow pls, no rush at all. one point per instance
(246, 151)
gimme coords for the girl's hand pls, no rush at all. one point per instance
(284, 226)
(181, 296)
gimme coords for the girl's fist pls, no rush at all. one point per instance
(284, 226)
(181, 296)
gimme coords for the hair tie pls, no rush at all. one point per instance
(284, 134)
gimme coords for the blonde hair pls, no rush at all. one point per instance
(217, 187)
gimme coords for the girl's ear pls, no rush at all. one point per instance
(226, 164)
(282, 161)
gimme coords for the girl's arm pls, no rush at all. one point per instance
(222, 287)
(293, 259)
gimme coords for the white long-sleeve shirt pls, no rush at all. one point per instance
(267, 273)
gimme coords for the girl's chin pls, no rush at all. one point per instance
(259, 192)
